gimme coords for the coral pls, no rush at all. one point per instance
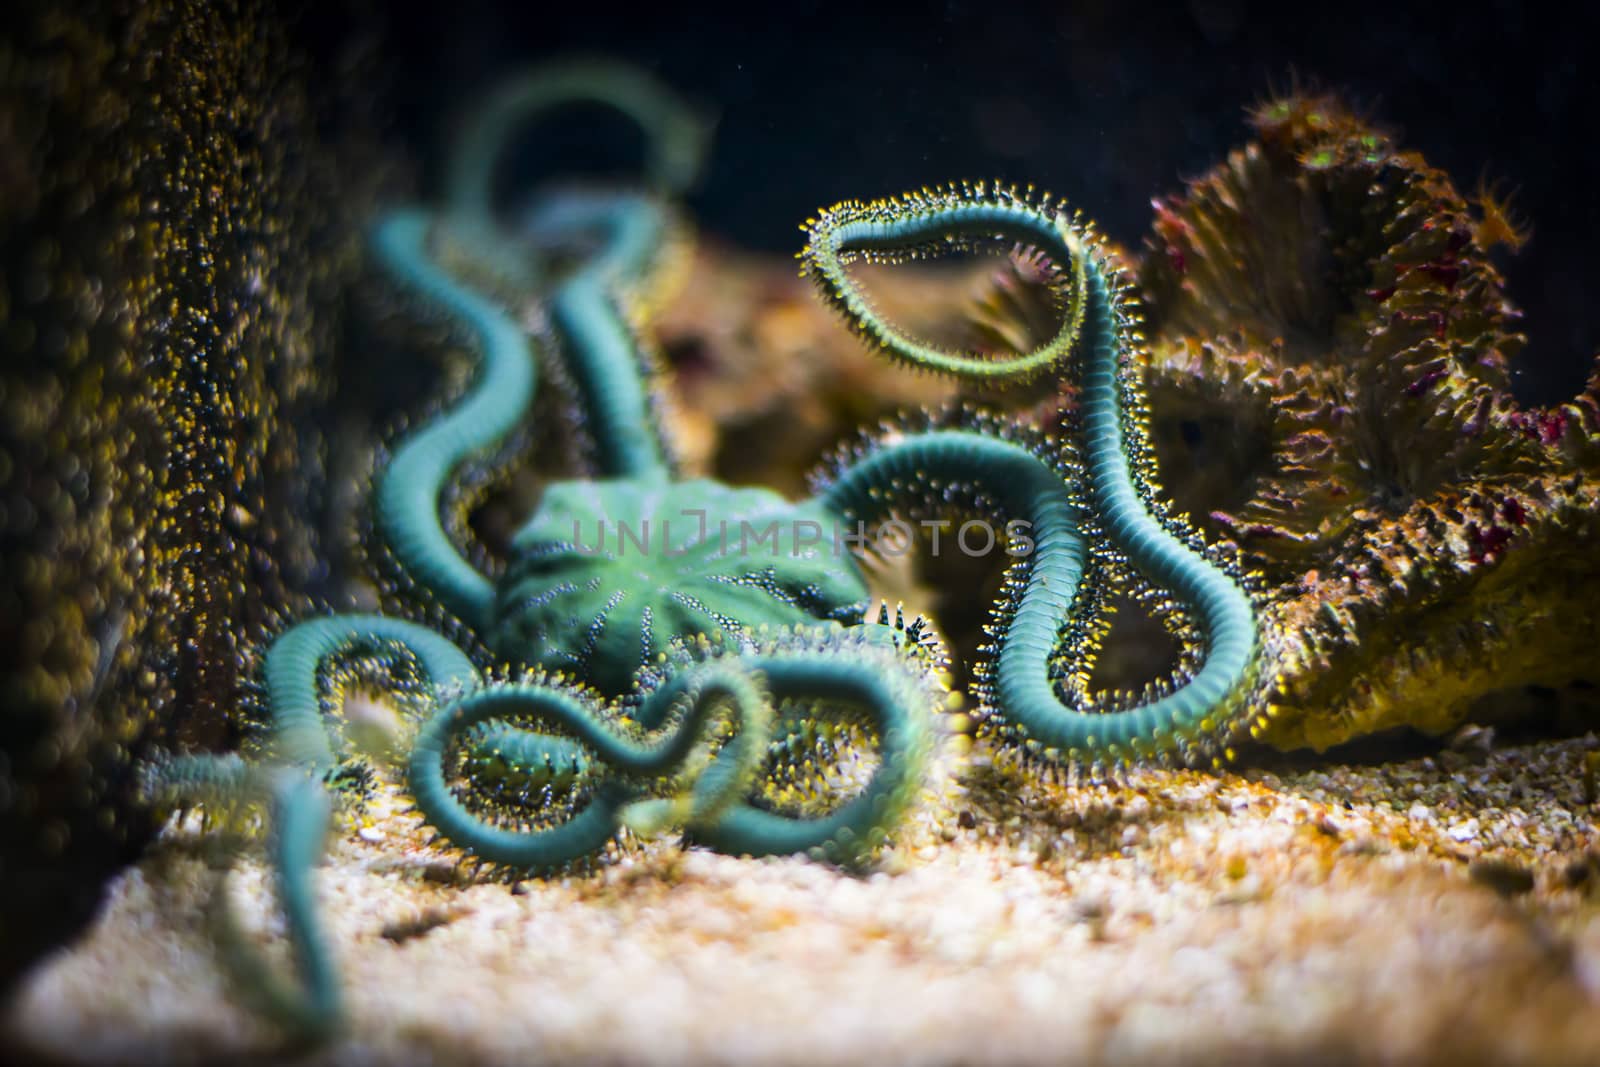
(1333, 285)
(1427, 615)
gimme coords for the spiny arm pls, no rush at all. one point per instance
(676, 135)
(410, 490)
(309, 1005)
(629, 762)
(295, 662)
(292, 789)
(855, 670)
(1096, 348)
(606, 354)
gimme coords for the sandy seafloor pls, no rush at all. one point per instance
(1441, 909)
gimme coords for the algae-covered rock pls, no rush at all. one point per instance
(168, 259)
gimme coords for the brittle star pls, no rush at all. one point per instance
(670, 685)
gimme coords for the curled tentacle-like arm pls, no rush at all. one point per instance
(676, 135)
(586, 309)
(295, 665)
(1095, 347)
(606, 355)
(1216, 692)
(408, 498)
(296, 660)
(875, 681)
(912, 227)
(291, 787)
(628, 761)
(299, 810)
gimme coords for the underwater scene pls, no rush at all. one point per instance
(828, 535)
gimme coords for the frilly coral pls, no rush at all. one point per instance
(1329, 301)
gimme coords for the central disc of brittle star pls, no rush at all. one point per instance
(609, 574)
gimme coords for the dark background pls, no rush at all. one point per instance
(1108, 104)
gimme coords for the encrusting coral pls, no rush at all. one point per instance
(1431, 541)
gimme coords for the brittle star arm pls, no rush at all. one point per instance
(307, 1006)
(604, 355)
(626, 759)
(410, 489)
(1093, 346)
(858, 670)
(676, 135)
(291, 786)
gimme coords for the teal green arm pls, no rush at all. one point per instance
(294, 667)
(630, 761)
(676, 136)
(855, 671)
(1096, 348)
(411, 488)
(605, 354)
